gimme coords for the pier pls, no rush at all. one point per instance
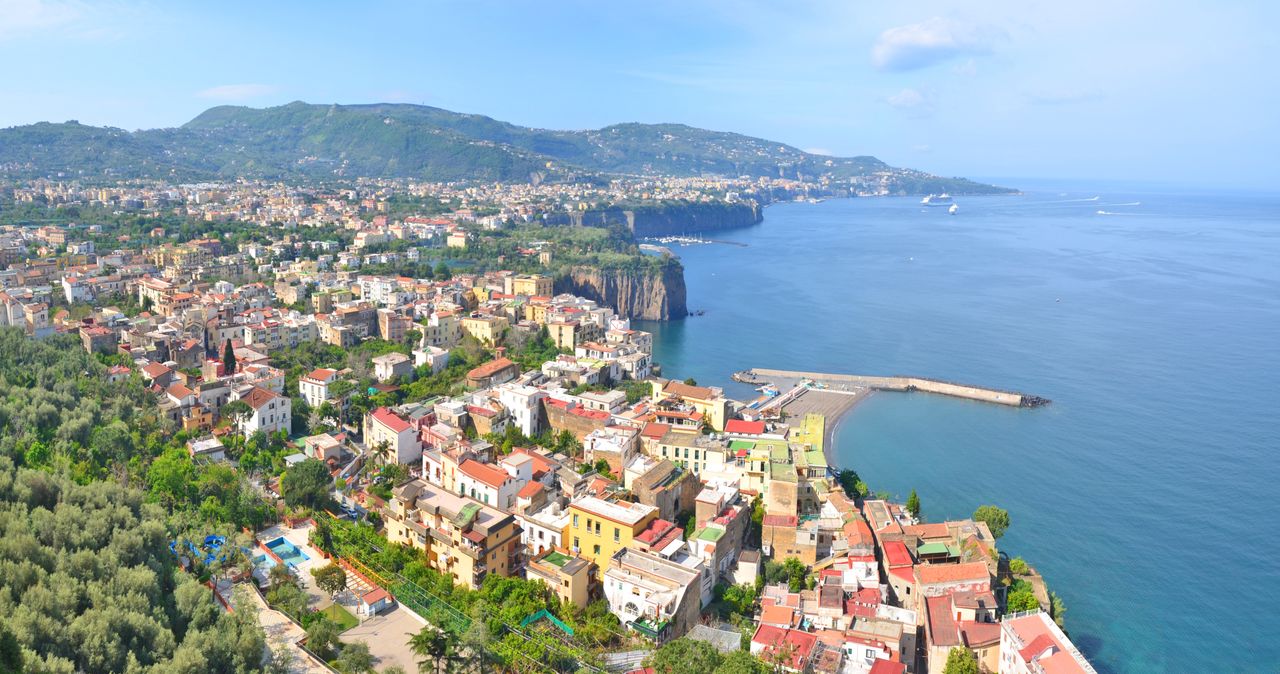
(785, 379)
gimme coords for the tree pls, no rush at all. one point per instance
(997, 519)
(961, 661)
(741, 599)
(332, 579)
(434, 647)
(1019, 567)
(322, 636)
(913, 504)
(741, 662)
(237, 411)
(228, 358)
(442, 272)
(355, 658)
(307, 484)
(853, 485)
(10, 652)
(684, 656)
(691, 381)
(797, 573)
(1022, 599)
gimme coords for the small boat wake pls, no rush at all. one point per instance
(1072, 201)
(1131, 203)
(1100, 212)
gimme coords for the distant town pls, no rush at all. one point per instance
(378, 424)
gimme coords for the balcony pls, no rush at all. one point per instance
(647, 626)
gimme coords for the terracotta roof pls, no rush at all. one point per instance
(773, 637)
(896, 554)
(483, 472)
(655, 431)
(744, 427)
(529, 490)
(778, 615)
(390, 419)
(321, 374)
(490, 368)
(686, 391)
(882, 666)
(780, 521)
(374, 596)
(953, 573)
(260, 396)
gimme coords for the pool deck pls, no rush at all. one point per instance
(318, 598)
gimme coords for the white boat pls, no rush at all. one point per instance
(943, 199)
(953, 209)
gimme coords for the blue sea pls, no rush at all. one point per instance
(1147, 492)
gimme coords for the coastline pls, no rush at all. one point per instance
(833, 406)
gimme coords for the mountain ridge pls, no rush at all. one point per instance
(399, 140)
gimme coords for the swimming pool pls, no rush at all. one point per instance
(287, 551)
(262, 561)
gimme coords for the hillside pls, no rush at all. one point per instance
(301, 140)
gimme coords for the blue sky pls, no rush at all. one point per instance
(1131, 89)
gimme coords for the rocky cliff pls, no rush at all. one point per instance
(648, 293)
(667, 218)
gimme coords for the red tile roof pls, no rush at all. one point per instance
(483, 472)
(744, 427)
(882, 666)
(655, 431)
(953, 573)
(896, 554)
(529, 490)
(780, 521)
(773, 638)
(260, 396)
(390, 419)
(490, 368)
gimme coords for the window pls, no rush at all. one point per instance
(617, 534)
(575, 543)
(595, 549)
(575, 526)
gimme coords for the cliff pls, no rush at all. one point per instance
(650, 294)
(667, 218)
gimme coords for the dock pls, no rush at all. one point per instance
(788, 379)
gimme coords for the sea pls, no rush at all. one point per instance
(1147, 492)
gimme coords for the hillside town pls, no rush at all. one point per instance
(502, 429)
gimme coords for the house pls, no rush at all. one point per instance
(386, 430)
(463, 538)
(570, 578)
(98, 339)
(433, 356)
(792, 650)
(654, 596)
(324, 446)
(487, 484)
(314, 386)
(962, 619)
(271, 412)
(1031, 643)
(391, 365)
(500, 370)
(207, 448)
(599, 528)
(524, 405)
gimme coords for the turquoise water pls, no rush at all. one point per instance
(287, 551)
(1146, 493)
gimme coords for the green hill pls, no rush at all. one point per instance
(301, 140)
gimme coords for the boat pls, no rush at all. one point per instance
(953, 209)
(943, 199)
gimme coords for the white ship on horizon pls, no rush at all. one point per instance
(943, 199)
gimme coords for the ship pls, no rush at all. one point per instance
(943, 199)
(953, 209)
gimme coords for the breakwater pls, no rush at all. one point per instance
(758, 376)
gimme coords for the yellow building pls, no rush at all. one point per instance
(707, 400)
(462, 537)
(487, 329)
(598, 528)
(530, 285)
(569, 577)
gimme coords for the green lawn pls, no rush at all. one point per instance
(340, 616)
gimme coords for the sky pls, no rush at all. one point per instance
(1139, 90)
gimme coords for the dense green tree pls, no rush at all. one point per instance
(10, 652)
(307, 484)
(434, 647)
(997, 519)
(1022, 599)
(961, 660)
(332, 578)
(853, 485)
(741, 662)
(322, 636)
(228, 358)
(913, 504)
(355, 658)
(684, 656)
(1019, 567)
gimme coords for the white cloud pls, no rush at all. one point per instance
(20, 17)
(912, 102)
(237, 92)
(919, 45)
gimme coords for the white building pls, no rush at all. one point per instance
(401, 438)
(543, 529)
(487, 484)
(272, 412)
(315, 386)
(524, 404)
(388, 366)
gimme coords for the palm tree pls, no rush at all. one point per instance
(384, 452)
(435, 648)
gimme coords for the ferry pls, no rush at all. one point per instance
(943, 199)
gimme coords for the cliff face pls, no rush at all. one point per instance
(657, 295)
(667, 219)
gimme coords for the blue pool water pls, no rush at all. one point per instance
(1151, 318)
(287, 551)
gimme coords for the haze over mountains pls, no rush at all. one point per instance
(308, 141)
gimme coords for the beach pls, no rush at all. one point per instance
(833, 406)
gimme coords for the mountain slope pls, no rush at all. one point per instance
(422, 142)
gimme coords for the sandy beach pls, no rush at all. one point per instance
(833, 405)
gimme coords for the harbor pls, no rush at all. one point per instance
(850, 383)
